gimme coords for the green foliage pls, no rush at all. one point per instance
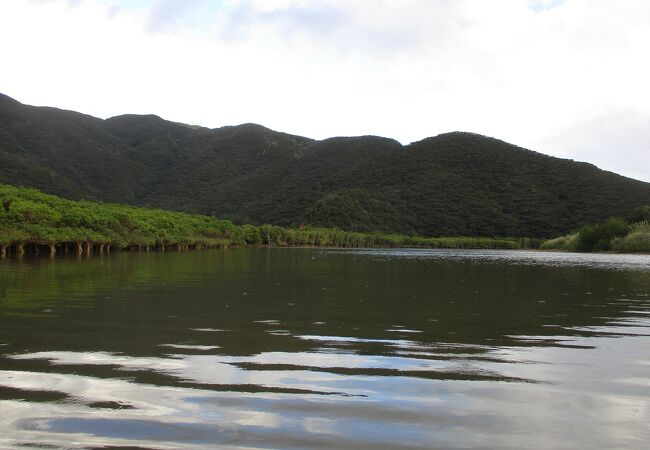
(594, 238)
(640, 214)
(33, 217)
(251, 234)
(566, 243)
(614, 234)
(452, 184)
(638, 240)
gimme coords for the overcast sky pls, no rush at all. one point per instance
(569, 78)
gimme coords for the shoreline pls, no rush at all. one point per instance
(44, 255)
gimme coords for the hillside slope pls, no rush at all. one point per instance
(66, 153)
(451, 184)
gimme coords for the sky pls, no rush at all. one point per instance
(568, 78)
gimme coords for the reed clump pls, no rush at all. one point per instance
(637, 240)
(566, 243)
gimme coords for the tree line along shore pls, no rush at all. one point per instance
(32, 222)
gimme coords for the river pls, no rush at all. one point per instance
(317, 348)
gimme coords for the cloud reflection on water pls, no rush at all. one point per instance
(522, 367)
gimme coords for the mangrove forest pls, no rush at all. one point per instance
(33, 222)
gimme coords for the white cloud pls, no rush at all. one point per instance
(172, 15)
(544, 5)
(566, 78)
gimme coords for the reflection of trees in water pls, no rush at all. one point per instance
(132, 303)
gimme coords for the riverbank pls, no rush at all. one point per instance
(32, 222)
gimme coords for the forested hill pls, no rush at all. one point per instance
(451, 184)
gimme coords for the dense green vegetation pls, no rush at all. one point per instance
(614, 234)
(33, 221)
(452, 184)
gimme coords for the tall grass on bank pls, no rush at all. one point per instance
(333, 237)
(637, 240)
(33, 222)
(566, 243)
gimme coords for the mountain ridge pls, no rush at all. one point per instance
(455, 183)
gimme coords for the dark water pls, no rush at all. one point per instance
(300, 348)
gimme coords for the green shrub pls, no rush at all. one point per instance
(595, 238)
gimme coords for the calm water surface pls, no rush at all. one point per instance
(307, 348)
